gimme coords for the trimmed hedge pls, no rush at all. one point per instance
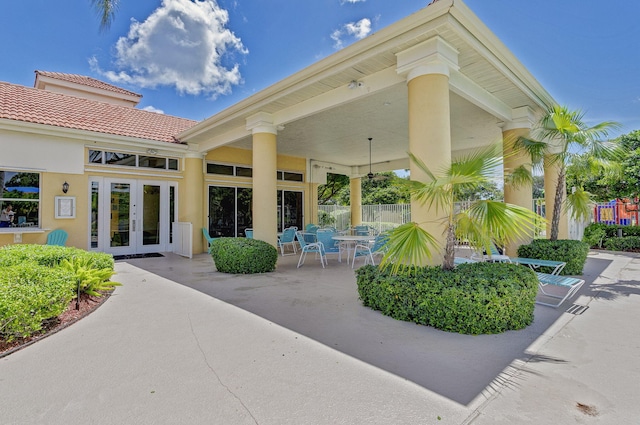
(479, 298)
(574, 253)
(243, 256)
(29, 294)
(37, 282)
(628, 243)
(50, 255)
(599, 235)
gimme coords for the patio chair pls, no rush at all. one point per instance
(288, 238)
(361, 230)
(57, 237)
(329, 245)
(311, 228)
(462, 260)
(306, 247)
(209, 239)
(248, 233)
(368, 252)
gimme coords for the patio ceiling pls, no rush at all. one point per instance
(322, 117)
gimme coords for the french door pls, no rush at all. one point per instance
(132, 216)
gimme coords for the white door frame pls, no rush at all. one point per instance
(134, 230)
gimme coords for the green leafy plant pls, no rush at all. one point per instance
(594, 235)
(560, 136)
(483, 222)
(243, 256)
(90, 279)
(29, 294)
(479, 298)
(574, 253)
(627, 243)
(50, 256)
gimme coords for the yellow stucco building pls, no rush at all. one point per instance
(437, 83)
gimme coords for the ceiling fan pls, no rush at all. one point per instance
(372, 176)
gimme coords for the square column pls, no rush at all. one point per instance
(522, 195)
(265, 184)
(355, 199)
(427, 67)
(191, 203)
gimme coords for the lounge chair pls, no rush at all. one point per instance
(535, 263)
(563, 283)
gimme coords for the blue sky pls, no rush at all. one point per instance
(585, 53)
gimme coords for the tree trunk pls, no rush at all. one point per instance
(449, 250)
(557, 204)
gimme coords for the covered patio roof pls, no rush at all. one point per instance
(326, 112)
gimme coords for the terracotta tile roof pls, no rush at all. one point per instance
(32, 105)
(86, 81)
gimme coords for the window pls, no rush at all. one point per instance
(239, 171)
(19, 199)
(132, 160)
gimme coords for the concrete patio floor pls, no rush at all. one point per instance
(307, 351)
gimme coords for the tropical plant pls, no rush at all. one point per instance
(562, 134)
(483, 222)
(106, 10)
(89, 279)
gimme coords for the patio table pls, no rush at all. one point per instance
(353, 240)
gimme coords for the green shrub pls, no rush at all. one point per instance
(574, 253)
(479, 298)
(594, 235)
(29, 294)
(49, 255)
(89, 278)
(627, 243)
(243, 256)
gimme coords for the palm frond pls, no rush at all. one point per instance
(408, 245)
(579, 202)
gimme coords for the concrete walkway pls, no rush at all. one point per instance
(296, 347)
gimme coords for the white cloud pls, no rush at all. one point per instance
(357, 30)
(352, 1)
(153, 109)
(184, 44)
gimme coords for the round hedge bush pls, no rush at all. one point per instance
(243, 256)
(478, 298)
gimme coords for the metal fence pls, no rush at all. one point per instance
(385, 217)
(380, 217)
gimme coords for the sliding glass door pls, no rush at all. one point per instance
(230, 211)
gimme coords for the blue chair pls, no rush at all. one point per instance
(306, 247)
(368, 252)
(288, 237)
(208, 238)
(248, 233)
(361, 230)
(311, 228)
(329, 245)
(57, 237)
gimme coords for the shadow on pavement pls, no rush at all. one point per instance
(323, 305)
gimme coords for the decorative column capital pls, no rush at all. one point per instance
(522, 117)
(261, 122)
(433, 56)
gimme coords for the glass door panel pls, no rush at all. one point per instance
(222, 211)
(150, 214)
(244, 215)
(292, 208)
(120, 223)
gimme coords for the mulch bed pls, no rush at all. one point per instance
(86, 305)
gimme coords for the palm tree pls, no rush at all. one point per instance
(483, 222)
(106, 11)
(562, 134)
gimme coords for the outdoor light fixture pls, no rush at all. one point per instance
(355, 84)
(65, 187)
(152, 151)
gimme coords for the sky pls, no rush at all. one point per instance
(193, 59)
